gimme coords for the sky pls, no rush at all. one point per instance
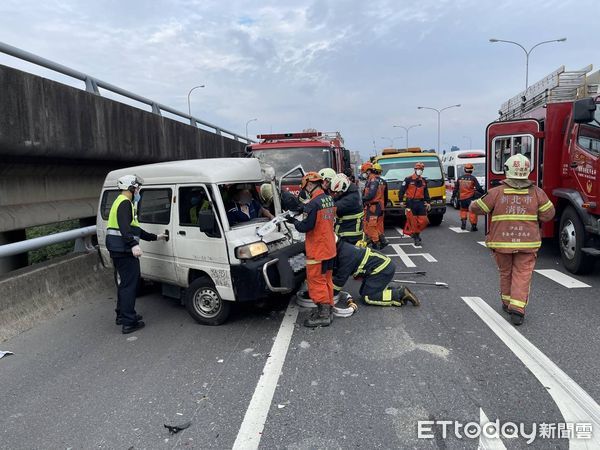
(353, 66)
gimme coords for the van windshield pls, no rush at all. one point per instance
(400, 168)
(283, 159)
(244, 204)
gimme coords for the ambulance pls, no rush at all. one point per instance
(453, 164)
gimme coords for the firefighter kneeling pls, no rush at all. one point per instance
(376, 270)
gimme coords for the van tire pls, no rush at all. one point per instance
(435, 219)
(205, 305)
(571, 239)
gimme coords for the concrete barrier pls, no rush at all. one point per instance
(35, 293)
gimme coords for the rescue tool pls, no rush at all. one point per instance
(418, 272)
(424, 283)
(271, 226)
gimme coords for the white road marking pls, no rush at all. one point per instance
(562, 278)
(405, 257)
(459, 230)
(486, 442)
(574, 403)
(482, 243)
(250, 432)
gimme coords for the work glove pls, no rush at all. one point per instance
(136, 250)
(162, 237)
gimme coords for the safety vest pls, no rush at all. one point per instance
(515, 214)
(114, 240)
(320, 241)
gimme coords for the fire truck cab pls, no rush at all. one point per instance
(312, 150)
(556, 124)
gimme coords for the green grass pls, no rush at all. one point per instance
(52, 251)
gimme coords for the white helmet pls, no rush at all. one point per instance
(327, 173)
(517, 167)
(340, 183)
(266, 193)
(126, 182)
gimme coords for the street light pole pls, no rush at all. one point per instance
(439, 113)
(189, 104)
(251, 120)
(391, 140)
(406, 129)
(527, 53)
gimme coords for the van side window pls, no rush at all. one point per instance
(506, 146)
(154, 206)
(108, 198)
(192, 200)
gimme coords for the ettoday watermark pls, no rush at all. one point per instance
(507, 430)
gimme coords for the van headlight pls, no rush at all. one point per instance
(251, 250)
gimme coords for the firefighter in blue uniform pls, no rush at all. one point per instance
(349, 209)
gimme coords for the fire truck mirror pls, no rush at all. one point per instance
(583, 110)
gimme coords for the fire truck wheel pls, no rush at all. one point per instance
(205, 305)
(571, 241)
(435, 219)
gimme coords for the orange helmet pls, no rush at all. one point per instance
(366, 166)
(469, 167)
(419, 165)
(310, 176)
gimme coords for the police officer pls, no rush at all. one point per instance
(349, 210)
(122, 241)
(376, 270)
(466, 189)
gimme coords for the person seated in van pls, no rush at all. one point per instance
(265, 195)
(245, 207)
(198, 203)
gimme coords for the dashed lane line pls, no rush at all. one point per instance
(561, 278)
(250, 432)
(458, 230)
(576, 405)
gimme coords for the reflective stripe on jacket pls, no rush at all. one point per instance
(357, 262)
(349, 213)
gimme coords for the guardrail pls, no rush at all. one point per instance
(92, 85)
(82, 237)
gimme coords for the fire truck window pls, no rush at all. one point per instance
(589, 138)
(502, 151)
(522, 144)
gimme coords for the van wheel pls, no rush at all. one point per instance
(204, 303)
(572, 240)
(435, 219)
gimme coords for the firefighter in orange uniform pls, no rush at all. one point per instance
(374, 196)
(465, 188)
(318, 224)
(417, 203)
(516, 208)
(383, 202)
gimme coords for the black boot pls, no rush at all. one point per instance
(119, 320)
(418, 240)
(473, 227)
(322, 316)
(383, 241)
(463, 224)
(516, 318)
(131, 328)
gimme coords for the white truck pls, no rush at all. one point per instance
(208, 262)
(453, 165)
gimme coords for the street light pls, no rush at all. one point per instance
(406, 129)
(189, 105)
(439, 112)
(251, 120)
(527, 53)
(391, 139)
(470, 141)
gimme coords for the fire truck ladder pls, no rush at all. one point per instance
(559, 86)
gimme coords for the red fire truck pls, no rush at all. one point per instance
(314, 150)
(556, 124)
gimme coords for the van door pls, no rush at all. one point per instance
(195, 249)
(504, 139)
(154, 215)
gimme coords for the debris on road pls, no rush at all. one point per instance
(174, 429)
(5, 353)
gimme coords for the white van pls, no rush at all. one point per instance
(208, 262)
(453, 164)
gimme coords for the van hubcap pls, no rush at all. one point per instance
(207, 302)
(568, 241)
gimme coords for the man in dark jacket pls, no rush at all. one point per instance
(349, 209)
(123, 236)
(376, 271)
